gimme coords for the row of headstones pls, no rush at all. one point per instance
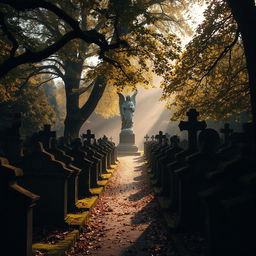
(51, 175)
(208, 187)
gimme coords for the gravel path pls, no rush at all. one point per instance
(125, 221)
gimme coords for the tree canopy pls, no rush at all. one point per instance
(211, 73)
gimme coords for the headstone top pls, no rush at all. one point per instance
(89, 136)
(209, 140)
(174, 141)
(160, 137)
(146, 137)
(192, 126)
(45, 135)
(152, 137)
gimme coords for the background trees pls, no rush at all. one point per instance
(211, 73)
(124, 42)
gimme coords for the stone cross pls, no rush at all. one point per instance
(152, 137)
(192, 126)
(88, 136)
(146, 137)
(45, 135)
(160, 137)
(226, 132)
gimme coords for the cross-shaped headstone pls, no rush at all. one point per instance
(152, 137)
(160, 137)
(88, 136)
(146, 137)
(226, 132)
(192, 126)
(45, 135)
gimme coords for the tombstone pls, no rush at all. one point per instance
(167, 158)
(12, 142)
(104, 155)
(45, 136)
(47, 177)
(146, 138)
(160, 137)
(81, 161)
(193, 178)
(145, 143)
(192, 126)
(226, 131)
(60, 155)
(91, 156)
(88, 136)
(17, 205)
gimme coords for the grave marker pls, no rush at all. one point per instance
(192, 126)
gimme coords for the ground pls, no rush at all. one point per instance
(126, 220)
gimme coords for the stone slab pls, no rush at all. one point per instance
(128, 153)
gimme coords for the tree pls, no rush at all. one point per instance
(27, 56)
(211, 73)
(244, 14)
(144, 25)
(28, 100)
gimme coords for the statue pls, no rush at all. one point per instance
(127, 107)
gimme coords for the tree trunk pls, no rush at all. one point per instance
(244, 13)
(73, 71)
(76, 116)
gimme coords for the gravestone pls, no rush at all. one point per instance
(226, 131)
(192, 126)
(47, 177)
(72, 195)
(45, 136)
(17, 205)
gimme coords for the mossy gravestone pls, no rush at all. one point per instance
(17, 205)
(49, 178)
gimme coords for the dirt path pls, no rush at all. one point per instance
(125, 221)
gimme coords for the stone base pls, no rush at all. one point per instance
(127, 150)
(127, 145)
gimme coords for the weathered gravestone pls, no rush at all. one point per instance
(113, 148)
(17, 205)
(60, 155)
(230, 205)
(167, 158)
(49, 178)
(192, 126)
(81, 161)
(226, 131)
(91, 155)
(192, 179)
(154, 150)
(45, 136)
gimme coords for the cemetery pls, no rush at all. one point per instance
(128, 128)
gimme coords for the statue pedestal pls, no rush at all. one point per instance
(126, 144)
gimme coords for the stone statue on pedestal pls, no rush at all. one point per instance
(127, 107)
(126, 144)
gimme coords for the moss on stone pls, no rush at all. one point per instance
(97, 191)
(86, 203)
(77, 219)
(106, 175)
(59, 248)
